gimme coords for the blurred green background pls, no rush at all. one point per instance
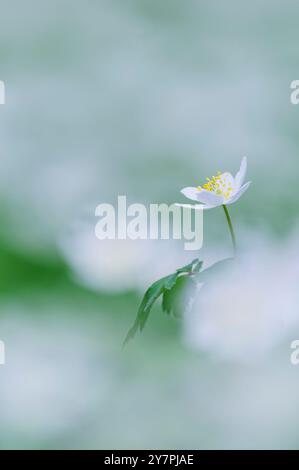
(142, 98)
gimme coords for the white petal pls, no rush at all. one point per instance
(238, 194)
(206, 197)
(240, 176)
(210, 198)
(194, 206)
(190, 193)
(207, 206)
(227, 180)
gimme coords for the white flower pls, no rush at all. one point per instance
(117, 265)
(222, 189)
(248, 308)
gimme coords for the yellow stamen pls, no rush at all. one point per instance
(217, 185)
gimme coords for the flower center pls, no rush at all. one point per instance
(217, 184)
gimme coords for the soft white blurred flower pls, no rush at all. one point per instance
(119, 265)
(49, 368)
(246, 310)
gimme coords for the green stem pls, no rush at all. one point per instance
(230, 226)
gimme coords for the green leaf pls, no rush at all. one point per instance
(151, 295)
(176, 300)
(161, 287)
(193, 267)
(170, 281)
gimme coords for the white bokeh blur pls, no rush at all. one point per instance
(251, 306)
